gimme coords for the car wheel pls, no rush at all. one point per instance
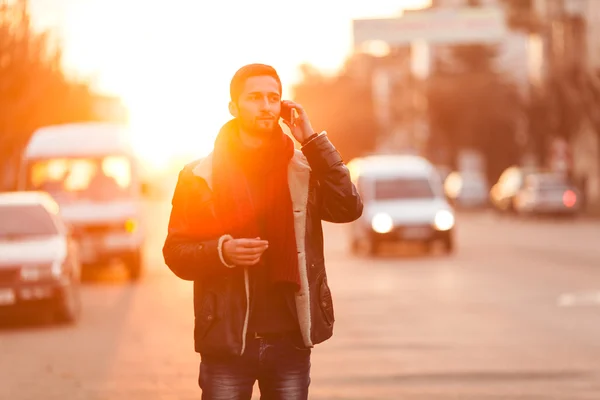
(135, 265)
(68, 308)
(355, 246)
(429, 246)
(374, 247)
(449, 245)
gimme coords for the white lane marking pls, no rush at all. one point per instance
(579, 299)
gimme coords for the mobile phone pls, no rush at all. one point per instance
(287, 113)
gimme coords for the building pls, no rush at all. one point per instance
(566, 70)
(513, 46)
(588, 11)
(427, 36)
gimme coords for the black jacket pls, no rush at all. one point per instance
(320, 188)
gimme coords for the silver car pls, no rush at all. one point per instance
(547, 194)
(404, 202)
(39, 268)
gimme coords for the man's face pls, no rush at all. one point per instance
(259, 105)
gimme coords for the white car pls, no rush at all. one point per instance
(91, 170)
(403, 199)
(39, 268)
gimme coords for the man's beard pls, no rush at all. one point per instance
(264, 128)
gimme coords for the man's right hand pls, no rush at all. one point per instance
(244, 252)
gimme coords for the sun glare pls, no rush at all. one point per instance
(172, 64)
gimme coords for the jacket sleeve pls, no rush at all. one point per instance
(191, 255)
(339, 199)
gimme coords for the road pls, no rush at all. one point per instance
(514, 314)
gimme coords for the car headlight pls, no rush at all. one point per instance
(444, 220)
(382, 223)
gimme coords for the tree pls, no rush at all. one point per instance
(343, 107)
(520, 15)
(570, 92)
(34, 91)
(471, 106)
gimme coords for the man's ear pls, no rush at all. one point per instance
(233, 109)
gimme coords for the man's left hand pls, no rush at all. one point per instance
(301, 129)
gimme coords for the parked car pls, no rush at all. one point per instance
(467, 189)
(39, 267)
(97, 183)
(403, 201)
(547, 194)
(504, 192)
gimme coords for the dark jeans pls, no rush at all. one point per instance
(280, 365)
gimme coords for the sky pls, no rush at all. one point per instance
(172, 64)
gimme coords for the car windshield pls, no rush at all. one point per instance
(403, 188)
(18, 221)
(72, 179)
(549, 183)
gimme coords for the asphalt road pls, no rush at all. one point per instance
(514, 314)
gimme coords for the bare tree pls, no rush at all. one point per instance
(472, 106)
(341, 105)
(34, 90)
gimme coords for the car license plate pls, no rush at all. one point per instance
(87, 250)
(117, 240)
(415, 233)
(7, 297)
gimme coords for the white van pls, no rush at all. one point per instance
(91, 171)
(404, 200)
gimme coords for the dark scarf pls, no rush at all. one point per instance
(239, 212)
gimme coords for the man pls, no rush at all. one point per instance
(246, 228)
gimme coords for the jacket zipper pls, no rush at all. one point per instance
(245, 328)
